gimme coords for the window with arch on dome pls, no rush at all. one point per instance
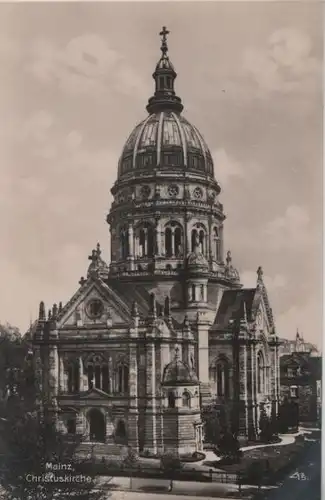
(186, 399)
(216, 244)
(145, 240)
(173, 240)
(171, 159)
(124, 242)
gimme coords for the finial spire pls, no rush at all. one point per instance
(41, 313)
(260, 274)
(164, 97)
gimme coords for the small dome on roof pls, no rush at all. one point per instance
(178, 373)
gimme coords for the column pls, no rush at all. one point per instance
(243, 415)
(110, 376)
(131, 240)
(62, 386)
(145, 242)
(81, 375)
(205, 293)
(150, 415)
(251, 397)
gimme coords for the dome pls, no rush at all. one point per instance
(178, 373)
(165, 139)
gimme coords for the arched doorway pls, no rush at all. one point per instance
(97, 426)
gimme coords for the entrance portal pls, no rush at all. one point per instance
(97, 426)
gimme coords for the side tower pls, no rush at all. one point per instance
(181, 414)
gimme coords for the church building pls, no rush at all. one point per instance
(165, 329)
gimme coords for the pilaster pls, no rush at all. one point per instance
(151, 410)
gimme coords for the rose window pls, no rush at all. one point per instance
(173, 190)
(145, 191)
(95, 308)
(197, 193)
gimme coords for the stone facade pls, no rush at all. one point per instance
(169, 298)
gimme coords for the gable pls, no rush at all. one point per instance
(94, 304)
(95, 394)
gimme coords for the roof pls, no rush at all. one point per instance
(233, 304)
(313, 363)
(161, 133)
(178, 373)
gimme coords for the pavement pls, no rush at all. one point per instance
(132, 495)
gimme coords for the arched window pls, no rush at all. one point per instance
(194, 237)
(198, 238)
(73, 376)
(124, 242)
(202, 241)
(145, 238)
(98, 373)
(186, 399)
(123, 379)
(219, 373)
(168, 242)
(260, 373)
(178, 241)
(216, 244)
(171, 400)
(173, 240)
(193, 292)
(97, 426)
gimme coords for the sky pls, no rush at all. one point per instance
(75, 80)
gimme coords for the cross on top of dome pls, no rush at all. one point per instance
(164, 47)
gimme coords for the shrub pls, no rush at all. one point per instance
(229, 448)
(170, 462)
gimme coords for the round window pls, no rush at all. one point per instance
(95, 308)
(173, 190)
(198, 193)
(145, 191)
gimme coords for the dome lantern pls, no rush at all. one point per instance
(164, 97)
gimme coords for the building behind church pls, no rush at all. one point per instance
(149, 340)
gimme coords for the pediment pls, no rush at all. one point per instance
(94, 394)
(95, 303)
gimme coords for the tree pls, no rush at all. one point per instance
(211, 425)
(32, 447)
